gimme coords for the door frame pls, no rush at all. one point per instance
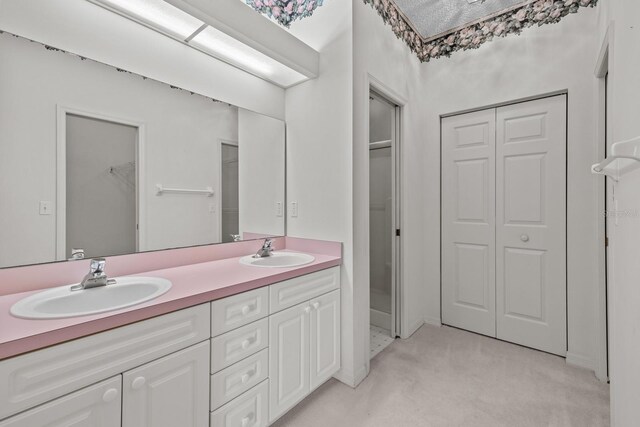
(399, 320)
(564, 92)
(220, 143)
(605, 271)
(61, 172)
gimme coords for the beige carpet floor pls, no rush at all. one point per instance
(448, 377)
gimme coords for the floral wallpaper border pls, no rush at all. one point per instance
(285, 11)
(538, 13)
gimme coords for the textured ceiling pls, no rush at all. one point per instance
(433, 17)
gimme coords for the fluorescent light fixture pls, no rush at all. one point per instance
(157, 14)
(173, 22)
(222, 46)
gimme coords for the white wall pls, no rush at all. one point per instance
(94, 32)
(381, 57)
(34, 81)
(261, 172)
(319, 159)
(624, 289)
(541, 60)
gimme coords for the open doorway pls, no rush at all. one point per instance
(97, 184)
(384, 231)
(229, 192)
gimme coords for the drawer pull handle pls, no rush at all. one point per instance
(246, 420)
(138, 383)
(246, 377)
(316, 305)
(110, 395)
(524, 238)
(247, 309)
(246, 343)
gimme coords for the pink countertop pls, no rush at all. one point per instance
(192, 285)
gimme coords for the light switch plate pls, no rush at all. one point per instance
(294, 209)
(46, 207)
(279, 210)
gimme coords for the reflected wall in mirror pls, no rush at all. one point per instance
(98, 161)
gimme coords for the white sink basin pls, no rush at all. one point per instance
(278, 259)
(62, 302)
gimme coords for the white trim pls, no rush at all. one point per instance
(61, 177)
(433, 321)
(600, 364)
(380, 319)
(574, 359)
(412, 329)
(218, 201)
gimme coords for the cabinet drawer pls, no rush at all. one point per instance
(40, 376)
(238, 344)
(294, 291)
(248, 410)
(238, 310)
(97, 405)
(231, 382)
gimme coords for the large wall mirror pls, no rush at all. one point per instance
(98, 161)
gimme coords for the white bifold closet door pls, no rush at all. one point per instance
(504, 223)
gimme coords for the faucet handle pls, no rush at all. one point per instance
(97, 266)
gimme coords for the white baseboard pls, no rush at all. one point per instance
(434, 321)
(412, 329)
(580, 361)
(348, 378)
(380, 319)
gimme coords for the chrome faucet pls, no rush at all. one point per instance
(96, 276)
(266, 250)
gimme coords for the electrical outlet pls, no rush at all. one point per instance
(279, 210)
(46, 208)
(294, 209)
(212, 208)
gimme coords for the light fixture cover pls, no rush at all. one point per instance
(285, 11)
(157, 14)
(220, 45)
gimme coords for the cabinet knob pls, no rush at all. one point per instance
(110, 395)
(246, 377)
(246, 343)
(246, 420)
(315, 305)
(246, 309)
(524, 238)
(138, 383)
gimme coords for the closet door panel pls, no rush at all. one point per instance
(531, 224)
(468, 221)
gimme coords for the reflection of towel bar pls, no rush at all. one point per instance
(160, 190)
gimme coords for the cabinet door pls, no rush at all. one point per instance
(288, 359)
(324, 338)
(97, 405)
(169, 392)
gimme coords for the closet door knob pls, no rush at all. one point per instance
(307, 309)
(138, 383)
(110, 395)
(524, 238)
(315, 305)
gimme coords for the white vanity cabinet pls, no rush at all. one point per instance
(304, 350)
(286, 342)
(169, 392)
(97, 406)
(64, 370)
(241, 361)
